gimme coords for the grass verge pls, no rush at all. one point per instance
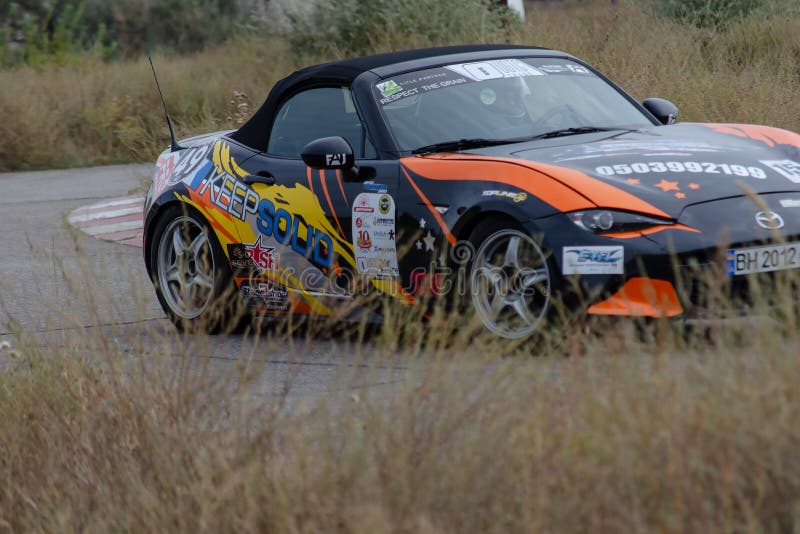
(88, 112)
(421, 429)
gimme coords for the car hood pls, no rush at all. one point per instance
(668, 167)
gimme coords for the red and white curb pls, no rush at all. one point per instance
(116, 219)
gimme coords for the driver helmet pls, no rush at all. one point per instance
(505, 96)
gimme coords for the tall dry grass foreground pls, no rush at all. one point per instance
(629, 437)
(90, 112)
(425, 427)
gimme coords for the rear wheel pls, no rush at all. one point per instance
(193, 280)
(510, 280)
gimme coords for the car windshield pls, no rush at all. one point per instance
(468, 105)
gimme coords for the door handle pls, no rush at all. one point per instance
(262, 177)
(359, 174)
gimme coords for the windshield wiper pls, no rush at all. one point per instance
(478, 142)
(563, 132)
(460, 144)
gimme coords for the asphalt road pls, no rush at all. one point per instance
(60, 287)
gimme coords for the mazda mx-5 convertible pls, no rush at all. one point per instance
(524, 170)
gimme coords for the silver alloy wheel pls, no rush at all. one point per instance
(185, 266)
(510, 284)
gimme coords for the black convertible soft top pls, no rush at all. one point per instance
(253, 132)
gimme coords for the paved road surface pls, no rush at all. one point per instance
(61, 285)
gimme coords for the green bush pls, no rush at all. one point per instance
(37, 31)
(180, 25)
(340, 28)
(705, 13)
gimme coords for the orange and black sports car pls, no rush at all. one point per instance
(523, 169)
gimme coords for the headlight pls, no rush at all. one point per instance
(612, 222)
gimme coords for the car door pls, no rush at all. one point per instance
(329, 225)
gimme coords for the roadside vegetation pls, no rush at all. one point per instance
(607, 425)
(35, 32)
(640, 428)
(81, 108)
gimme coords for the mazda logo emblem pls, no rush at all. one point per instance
(769, 220)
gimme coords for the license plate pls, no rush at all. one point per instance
(763, 259)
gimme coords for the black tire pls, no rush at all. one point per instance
(509, 280)
(191, 274)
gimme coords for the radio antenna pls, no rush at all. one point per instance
(174, 146)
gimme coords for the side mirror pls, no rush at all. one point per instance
(665, 111)
(328, 153)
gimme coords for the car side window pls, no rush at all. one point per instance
(315, 113)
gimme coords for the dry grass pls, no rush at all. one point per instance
(93, 112)
(642, 429)
(748, 72)
(628, 437)
(90, 112)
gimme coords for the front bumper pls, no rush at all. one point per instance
(678, 271)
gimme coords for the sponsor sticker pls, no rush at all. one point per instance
(790, 203)
(241, 263)
(564, 68)
(593, 260)
(516, 196)
(362, 204)
(397, 96)
(252, 258)
(412, 84)
(225, 191)
(389, 88)
(364, 240)
(384, 204)
(384, 234)
(265, 258)
(787, 168)
(271, 295)
(375, 187)
(496, 68)
(335, 159)
(292, 230)
(661, 149)
(273, 222)
(374, 235)
(409, 85)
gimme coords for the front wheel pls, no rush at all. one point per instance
(191, 275)
(510, 281)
